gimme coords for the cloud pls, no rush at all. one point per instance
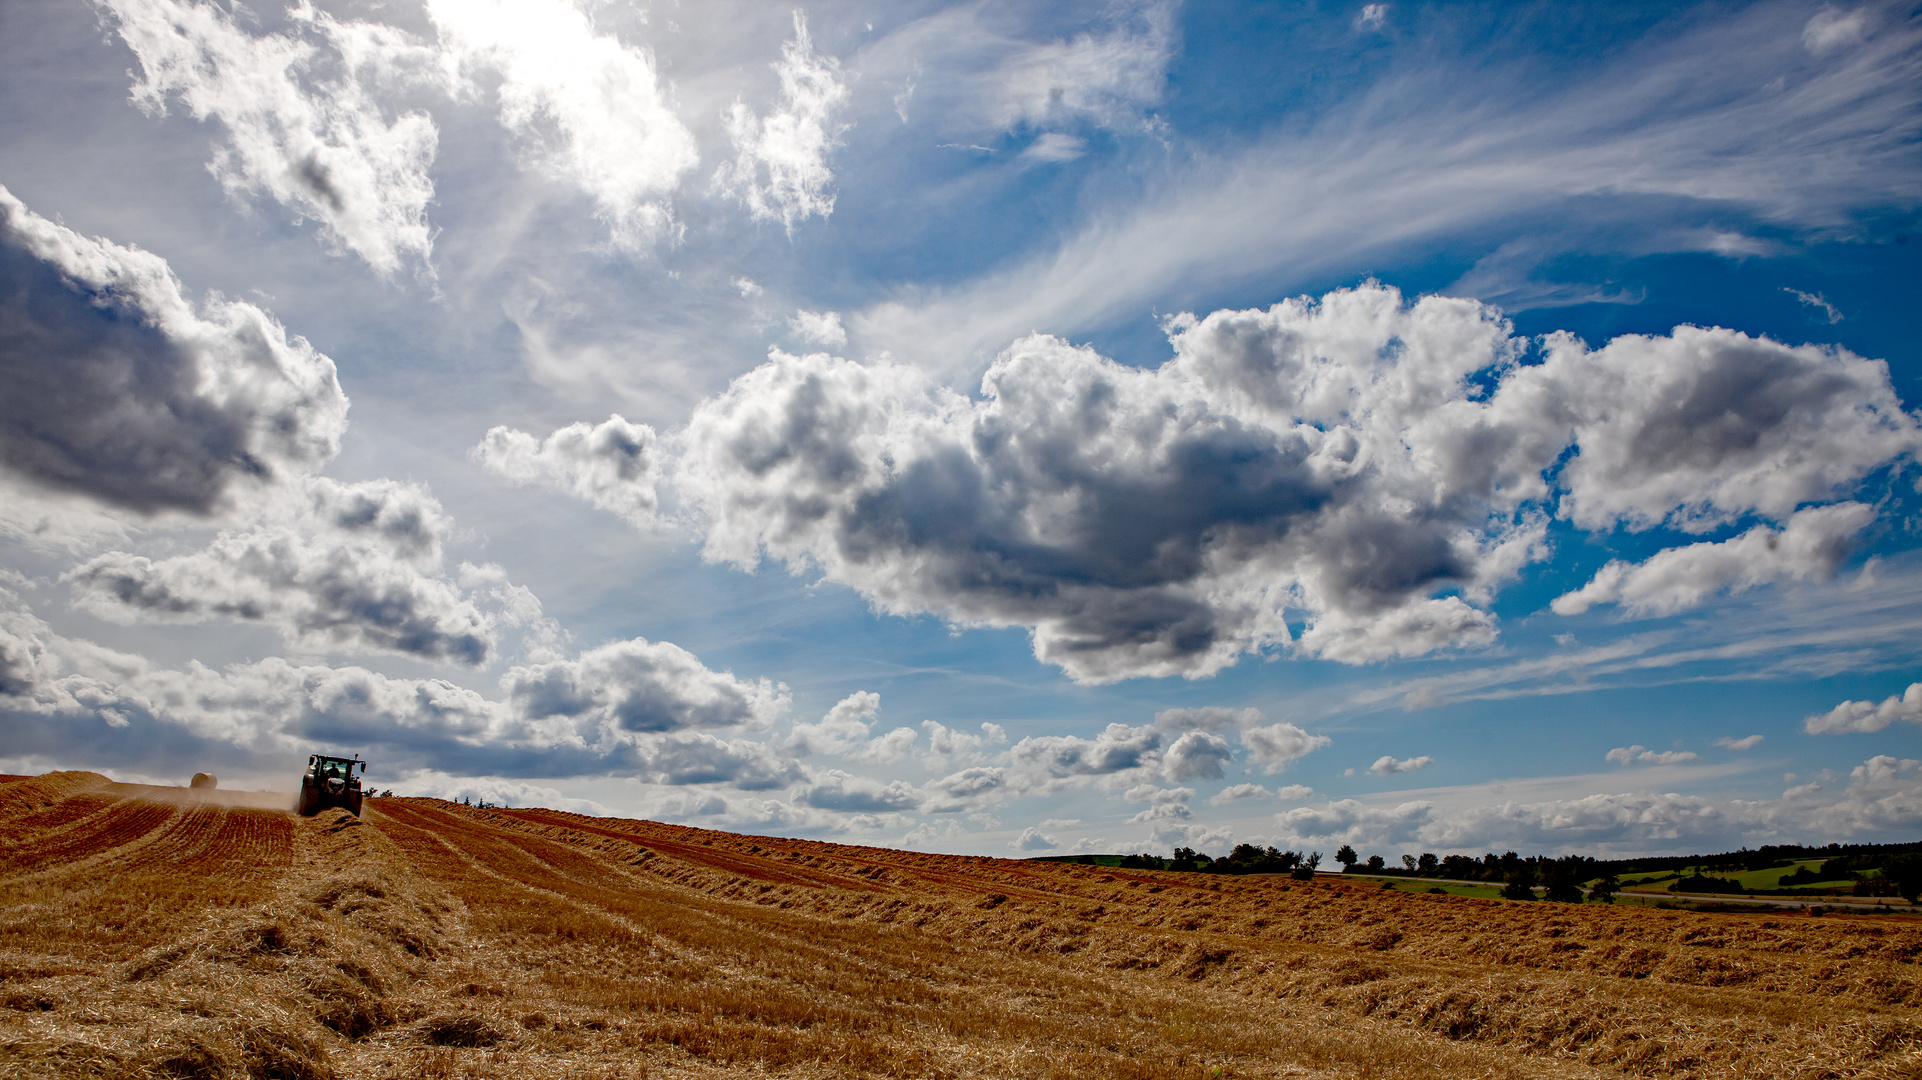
(1032, 839)
(613, 465)
(958, 791)
(350, 566)
(1196, 755)
(789, 146)
(1274, 746)
(838, 791)
(1331, 461)
(945, 742)
(1747, 743)
(843, 728)
(1045, 763)
(1812, 545)
(1853, 717)
(1352, 822)
(632, 708)
(1642, 755)
(1056, 146)
(1106, 78)
(818, 328)
(1697, 428)
(1462, 151)
(1372, 17)
(1388, 766)
(1239, 793)
(587, 109)
(1832, 28)
(1815, 300)
(1164, 804)
(1207, 718)
(303, 116)
(114, 388)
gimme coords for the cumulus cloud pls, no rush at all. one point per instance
(1274, 746)
(843, 728)
(114, 388)
(961, 790)
(1866, 716)
(1239, 793)
(839, 791)
(1642, 755)
(1032, 839)
(1388, 766)
(780, 168)
(1196, 755)
(1372, 17)
(1812, 545)
(353, 566)
(1164, 804)
(588, 109)
(636, 708)
(1207, 718)
(1350, 821)
(1045, 763)
(946, 743)
(818, 328)
(1331, 461)
(303, 119)
(1749, 742)
(613, 465)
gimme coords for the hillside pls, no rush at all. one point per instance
(150, 932)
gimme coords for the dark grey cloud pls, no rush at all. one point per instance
(114, 387)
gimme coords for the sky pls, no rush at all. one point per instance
(989, 428)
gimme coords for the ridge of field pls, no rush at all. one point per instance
(151, 932)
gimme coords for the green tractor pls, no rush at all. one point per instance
(330, 781)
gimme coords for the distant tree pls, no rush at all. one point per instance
(1427, 863)
(1904, 872)
(1604, 890)
(1408, 861)
(1312, 860)
(1347, 857)
(1459, 866)
(1183, 860)
(1562, 889)
(1375, 862)
(1521, 882)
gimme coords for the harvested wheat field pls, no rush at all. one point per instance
(150, 932)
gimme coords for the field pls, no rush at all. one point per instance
(145, 932)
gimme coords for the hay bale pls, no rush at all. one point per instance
(204, 780)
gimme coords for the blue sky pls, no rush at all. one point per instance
(998, 429)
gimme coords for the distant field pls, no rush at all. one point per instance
(145, 933)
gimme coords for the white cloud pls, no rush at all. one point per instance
(613, 465)
(1215, 718)
(1274, 746)
(1294, 792)
(1388, 766)
(1045, 763)
(818, 328)
(1352, 822)
(790, 145)
(1749, 742)
(114, 389)
(349, 566)
(749, 290)
(1056, 146)
(1164, 804)
(1699, 427)
(1106, 78)
(1812, 545)
(302, 112)
(844, 728)
(587, 109)
(1642, 755)
(1816, 300)
(839, 791)
(1372, 17)
(1239, 793)
(1867, 716)
(1032, 839)
(1832, 28)
(1196, 755)
(945, 743)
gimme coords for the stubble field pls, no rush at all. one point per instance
(148, 932)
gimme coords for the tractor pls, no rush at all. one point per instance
(330, 781)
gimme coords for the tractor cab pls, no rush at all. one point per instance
(331, 781)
